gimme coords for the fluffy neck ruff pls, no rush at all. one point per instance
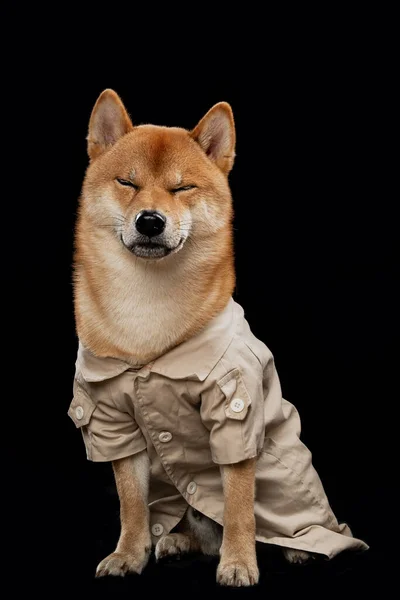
(136, 310)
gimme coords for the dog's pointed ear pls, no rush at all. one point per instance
(108, 122)
(215, 133)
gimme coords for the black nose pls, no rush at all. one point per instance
(150, 223)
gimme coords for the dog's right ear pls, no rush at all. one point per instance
(108, 122)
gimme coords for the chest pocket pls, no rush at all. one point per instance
(237, 397)
(81, 407)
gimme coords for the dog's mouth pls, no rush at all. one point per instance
(154, 250)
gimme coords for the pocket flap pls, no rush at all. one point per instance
(81, 407)
(237, 398)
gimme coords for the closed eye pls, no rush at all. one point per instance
(126, 183)
(184, 188)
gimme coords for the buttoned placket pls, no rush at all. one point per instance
(160, 442)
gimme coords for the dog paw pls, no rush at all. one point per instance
(121, 563)
(174, 543)
(296, 556)
(237, 574)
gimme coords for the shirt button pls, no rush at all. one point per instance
(237, 405)
(165, 436)
(157, 529)
(79, 412)
(191, 488)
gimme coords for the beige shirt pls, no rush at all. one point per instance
(213, 400)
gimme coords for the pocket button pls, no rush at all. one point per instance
(237, 405)
(79, 412)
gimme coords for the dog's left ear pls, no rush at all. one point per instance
(215, 133)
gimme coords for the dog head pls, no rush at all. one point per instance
(155, 187)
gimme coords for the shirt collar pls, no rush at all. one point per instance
(95, 368)
(194, 358)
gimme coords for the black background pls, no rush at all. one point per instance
(315, 232)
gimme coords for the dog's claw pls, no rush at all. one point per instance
(237, 574)
(172, 544)
(118, 564)
(296, 556)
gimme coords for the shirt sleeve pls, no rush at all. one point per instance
(232, 409)
(109, 433)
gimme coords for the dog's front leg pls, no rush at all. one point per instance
(238, 562)
(134, 545)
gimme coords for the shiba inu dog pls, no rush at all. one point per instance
(171, 385)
